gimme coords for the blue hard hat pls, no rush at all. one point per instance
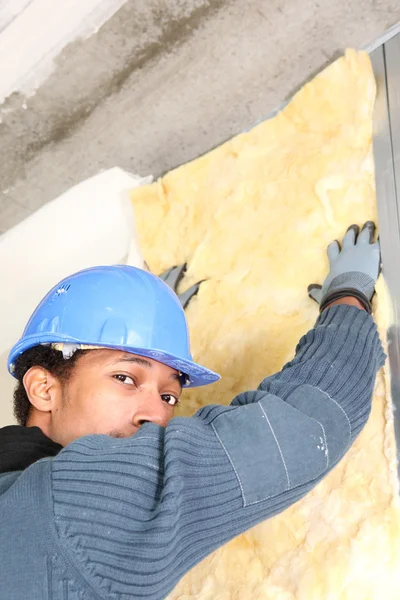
(118, 307)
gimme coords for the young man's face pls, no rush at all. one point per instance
(109, 392)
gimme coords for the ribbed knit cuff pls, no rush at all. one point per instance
(353, 326)
(345, 314)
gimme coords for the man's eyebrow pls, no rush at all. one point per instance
(134, 359)
(145, 363)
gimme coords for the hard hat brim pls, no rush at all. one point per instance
(197, 374)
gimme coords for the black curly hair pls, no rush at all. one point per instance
(47, 358)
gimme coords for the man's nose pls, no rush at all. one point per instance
(150, 410)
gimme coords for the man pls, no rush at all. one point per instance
(103, 494)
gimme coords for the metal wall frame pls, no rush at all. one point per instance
(386, 144)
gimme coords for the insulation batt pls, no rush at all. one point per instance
(253, 218)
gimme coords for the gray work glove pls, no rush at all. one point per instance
(173, 276)
(354, 269)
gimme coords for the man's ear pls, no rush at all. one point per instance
(41, 387)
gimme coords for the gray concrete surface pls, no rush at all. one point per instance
(164, 81)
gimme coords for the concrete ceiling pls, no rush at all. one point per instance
(163, 81)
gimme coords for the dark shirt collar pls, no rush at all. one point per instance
(21, 446)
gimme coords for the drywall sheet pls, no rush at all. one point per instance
(253, 218)
(89, 224)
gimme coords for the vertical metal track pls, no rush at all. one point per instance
(386, 143)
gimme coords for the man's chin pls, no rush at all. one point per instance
(118, 434)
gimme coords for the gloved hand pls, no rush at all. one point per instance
(172, 277)
(354, 269)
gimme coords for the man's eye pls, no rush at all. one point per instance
(170, 399)
(124, 379)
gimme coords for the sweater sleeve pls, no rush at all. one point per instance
(135, 514)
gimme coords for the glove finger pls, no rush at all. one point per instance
(165, 274)
(315, 292)
(333, 251)
(186, 297)
(377, 245)
(173, 276)
(367, 233)
(350, 236)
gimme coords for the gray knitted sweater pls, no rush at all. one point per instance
(127, 518)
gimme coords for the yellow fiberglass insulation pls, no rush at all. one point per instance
(253, 218)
